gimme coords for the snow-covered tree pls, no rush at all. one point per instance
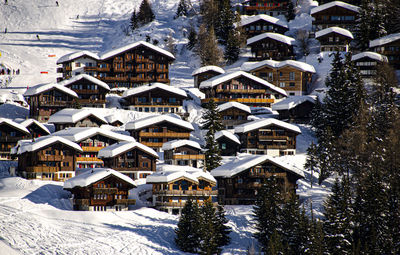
(145, 14)
(290, 15)
(134, 21)
(192, 37)
(182, 9)
(224, 25)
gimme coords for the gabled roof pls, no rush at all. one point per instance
(77, 134)
(246, 20)
(86, 77)
(275, 36)
(384, 40)
(114, 117)
(117, 51)
(15, 125)
(41, 142)
(245, 161)
(227, 134)
(154, 86)
(228, 105)
(204, 69)
(77, 54)
(74, 115)
(121, 147)
(337, 30)
(256, 124)
(170, 173)
(252, 66)
(232, 75)
(179, 143)
(333, 4)
(155, 119)
(91, 176)
(293, 101)
(48, 86)
(371, 55)
(27, 123)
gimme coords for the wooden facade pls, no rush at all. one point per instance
(299, 112)
(233, 116)
(262, 25)
(89, 121)
(269, 7)
(334, 41)
(227, 146)
(10, 134)
(335, 16)
(367, 63)
(388, 46)
(271, 47)
(184, 156)
(202, 76)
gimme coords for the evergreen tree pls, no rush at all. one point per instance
(188, 234)
(316, 245)
(134, 21)
(192, 37)
(224, 23)
(311, 161)
(222, 231)
(182, 9)
(232, 49)
(207, 48)
(290, 15)
(275, 245)
(145, 14)
(209, 13)
(209, 233)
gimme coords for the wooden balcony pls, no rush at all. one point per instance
(164, 135)
(11, 139)
(115, 78)
(159, 70)
(188, 156)
(125, 201)
(241, 91)
(42, 169)
(51, 157)
(273, 137)
(266, 175)
(177, 204)
(187, 192)
(81, 202)
(152, 144)
(90, 68)
(92, 148)
(241, 100)
(103, 69)
(68, 68)
(105, 190)
(85, 159)
(91, 101)
(142, 60)
(55, 103)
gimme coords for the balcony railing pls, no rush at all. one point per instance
(177, 204)
(126, 201)
(50, 157)
(42, 169)
(105, 190)
(187, 192)
(164, 134)
(188, 156)
(152, 144)
(85, 159)
(90, 68)
(91, 101)
(115, 78)
(241, 100)
(244, 91)
(272, 137)
(11, 139)
(92, 148)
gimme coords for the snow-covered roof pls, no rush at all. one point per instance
(114, 52)
(251, 66)
(275, 36)
(256, 124)
(332, 4)
(91, 176)
(384, 40)
(292, 101)
(337, 30)
(14, 124)
(250, 19)
(204, 69)
(45, 87)
(29, 122)
(229, 76)
(228, 105)
(77, 54)
(155, 119)
(114, 117)
(170, 173)
(74, 115)
(121, 147)
(153, 86)
(371, 55)
(7, 95)
(41, 142)
(227, 134)
(86, 77)
(246, 161)
(77, 134)
(179, 143)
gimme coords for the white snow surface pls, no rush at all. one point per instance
(245, 20)
(335, 3)
(93, 175)
(204, 69)
(40, 142)
(256, 124)
(74, 115)
(154, 119)
(27, 123)
(227, 134)
(86, 77)
(45, 87)
(14, 124)
(384, 40)
(153, 86)
(121, 147)
(232, 75)
(77, 134)
(371, 55)
(293, 101)
(179, 143)
(168, 173)
(275, 36)
(228, 105)
(337, 30)
(251, 66)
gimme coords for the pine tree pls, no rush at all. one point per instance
(209, 233)
(275, 245)
(207, 48)
(290, 15)
(311, 161)
(188, 234)
(224, 23)
(316, 245)
(134, 21)
(145, 14)
(182, 9)
(209, 13)
(192, 37)
(222, 231)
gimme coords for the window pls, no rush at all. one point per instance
(291, 76)
(223, 146)
(77, 64)
(281, 84)
(292, 84)
(330, 39)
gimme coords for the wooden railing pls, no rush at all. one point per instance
(177, 204)
(105, 190)
(244, 91)
(42, 169)
(281, 137)
(50, 157)
(152, 144)
(188, 156)
(241, 100)
(164, 134)
(85, 159)
(187, 192)
(92, 148)
(125, 201)
(90, 68)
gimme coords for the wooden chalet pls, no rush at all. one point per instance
(155, 130)
(334, 39)
(229, 143)
(91, 91)
(335, 14)
(47, 158)
(183, 153)
(390, 47)
(296, 109)
(173, 185)
(294, 77)
(47, 99)
(241, 87)
(100, 189)
(130, 158)
(92, 140)
(367, 62)
(259, 24)
(271, 46)
(155, 98)
(67, 118)
(35, 128)
(240, 179)
(268, 136)
(204, 73)
(129, 66)
(233, 113)
(10, 133)
(270, 7)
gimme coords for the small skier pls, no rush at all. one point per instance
(37, 36)
(77, 16)
(5, 30)
(5, 1)
(57, 3)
